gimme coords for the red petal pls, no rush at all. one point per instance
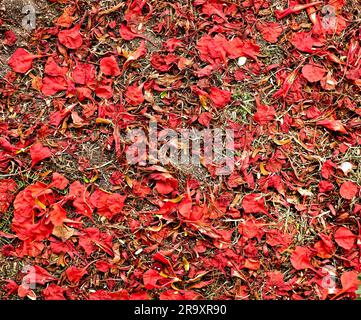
(57, 215)
(84, 73)
(53, 292)
(348, 190)
(185, 208)
(205, 119)
(59, 181)
(350, 281)
(254, 203)
(304, 41)
(334, 125)
(71, 38)
(74, 274)
(53, 69)
(109, 66)
(52, 85)
(313, 72)
(220, 98)
(38, 152)
(264, 114)
(325, 186)
(10, 38)
(134, 95)
(7, 189)
(104, 91)
(345, 238)
(126, 33)
(21, 61)
(150, 279)
(301, 258)
(270, 31)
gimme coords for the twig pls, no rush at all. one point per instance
(110, 10)
(12, 174)
(101, 166)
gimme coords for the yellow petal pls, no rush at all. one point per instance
(156, 228)
(281, 142)
(186, 264)
(40, 204)
(263, 170)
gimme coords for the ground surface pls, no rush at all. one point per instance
(78, 221)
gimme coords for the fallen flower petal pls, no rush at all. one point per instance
(21, 61)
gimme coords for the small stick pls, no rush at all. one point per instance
(115, 8)
(101, 166)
